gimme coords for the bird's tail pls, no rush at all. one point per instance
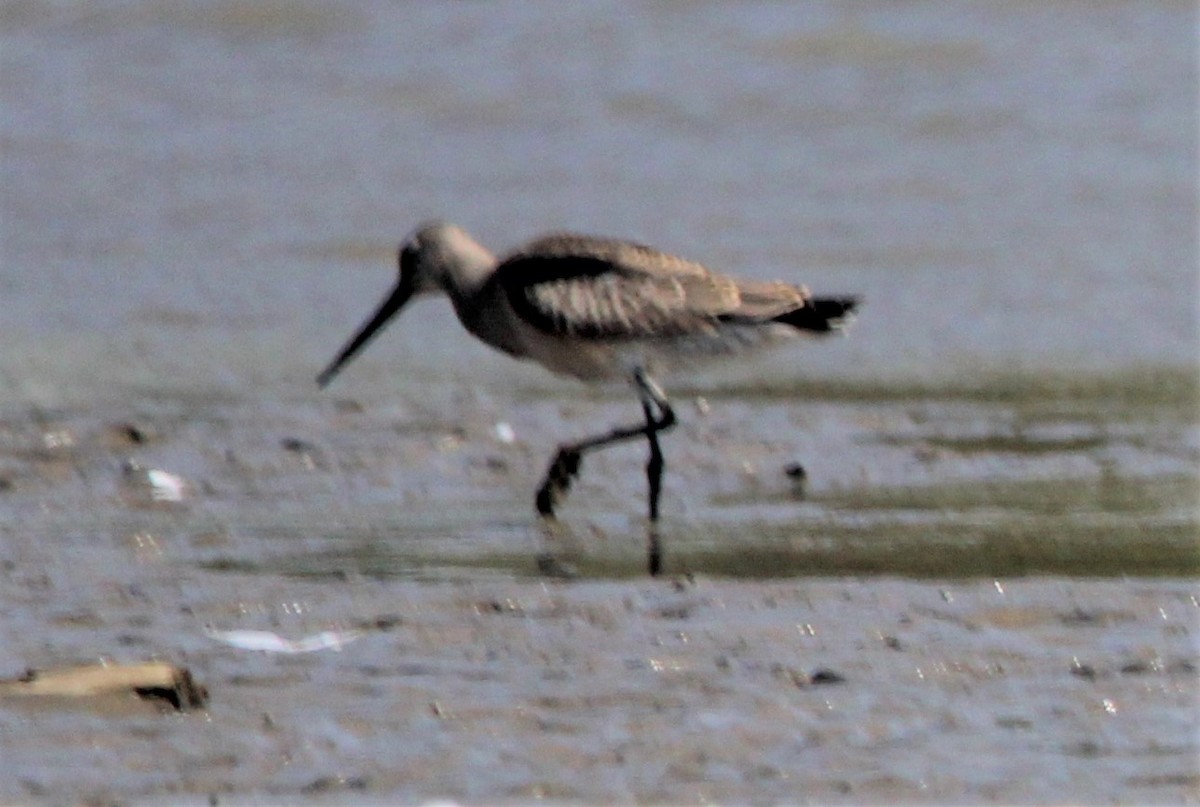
(821, 314)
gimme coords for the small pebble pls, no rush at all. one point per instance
(799, 478)
(1086, 671)
(297, 445)
(826, 677)
(803, 680)
(795, 471)
(134, 433)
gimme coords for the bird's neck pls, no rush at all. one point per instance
(465, 265)
(467, 275)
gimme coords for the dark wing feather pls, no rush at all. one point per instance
(602, 288)
(821, 314)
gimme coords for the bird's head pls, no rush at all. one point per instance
(437, 257)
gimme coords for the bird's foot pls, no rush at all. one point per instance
(558, 480)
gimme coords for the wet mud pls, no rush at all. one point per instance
(966, 601)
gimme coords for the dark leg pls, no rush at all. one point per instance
(654, 468)
(567, 462)
(653, 398)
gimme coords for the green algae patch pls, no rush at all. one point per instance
(1136, 387)
(1102, 526)
(954, 549)
(1015, 498)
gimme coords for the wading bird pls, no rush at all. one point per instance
(598, 309)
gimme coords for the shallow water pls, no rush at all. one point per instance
(996, 548)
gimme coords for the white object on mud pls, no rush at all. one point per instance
(165, 486)
(269, 642)
(505, 433)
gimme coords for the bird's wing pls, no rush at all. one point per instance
(764, 300)
(603, 288)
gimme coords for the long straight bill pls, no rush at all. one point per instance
(394, 302)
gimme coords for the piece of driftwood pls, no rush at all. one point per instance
(154, 680)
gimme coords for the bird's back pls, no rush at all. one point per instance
(610, 289)
(597, 307)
